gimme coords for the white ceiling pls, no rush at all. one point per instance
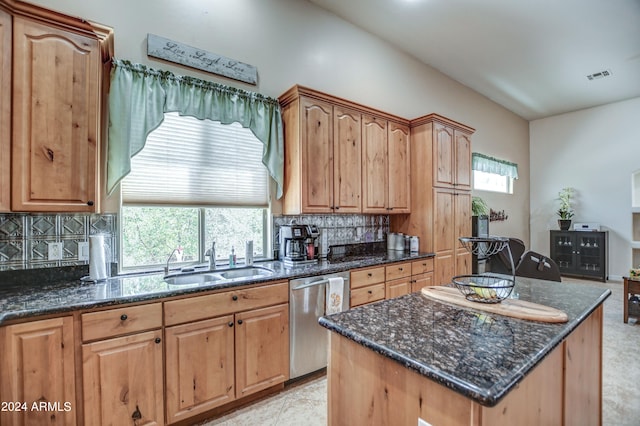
(531, 56)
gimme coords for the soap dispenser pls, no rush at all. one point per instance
(232, 258)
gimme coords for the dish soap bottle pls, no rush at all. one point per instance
(232, 258)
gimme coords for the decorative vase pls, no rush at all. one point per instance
(564, 224)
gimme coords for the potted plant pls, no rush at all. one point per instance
(479, 207)
(565, 212)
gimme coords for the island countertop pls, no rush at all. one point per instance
(480, 355)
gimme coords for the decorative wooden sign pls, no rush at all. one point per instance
(179, 53)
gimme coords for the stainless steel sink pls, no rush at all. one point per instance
(209, 277)
(248, 272)
(193, 279)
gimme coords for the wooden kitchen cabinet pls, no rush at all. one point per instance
(123, 380)
(322, 157)
(440, 161)
(385, 166)
(5, 111)
(262, 348)
(342, 157)
(200, 366)
(225, 346)
(451, 157)
(59, 66)
(451, 220)
(347, 154)
(37, 362)
(421, 274)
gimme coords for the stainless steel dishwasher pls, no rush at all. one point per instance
(308, 340)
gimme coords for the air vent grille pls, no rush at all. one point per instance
(599, 75)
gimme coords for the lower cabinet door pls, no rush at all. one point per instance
(200, 367)
(420, 281)
(262, 348)
(37, 386)
(123, 380)
(396, 288)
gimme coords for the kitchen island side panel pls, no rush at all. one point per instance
(365, 387)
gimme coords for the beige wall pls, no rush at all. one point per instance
(294, 42)
(595, 151)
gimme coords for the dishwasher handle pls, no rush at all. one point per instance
(310, 284)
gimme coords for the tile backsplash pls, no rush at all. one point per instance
(25, 238)
(340, 228)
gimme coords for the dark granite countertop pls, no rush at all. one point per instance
(477, 354)
(23, 300)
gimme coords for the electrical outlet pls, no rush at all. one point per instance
(423, 422)
(55, 251)
(83, 250)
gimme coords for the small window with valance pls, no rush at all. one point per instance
(493, 174)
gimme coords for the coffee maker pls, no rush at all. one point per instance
(299, 244)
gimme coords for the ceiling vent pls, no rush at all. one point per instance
(599, 75)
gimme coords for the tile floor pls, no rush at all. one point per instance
(305, 404)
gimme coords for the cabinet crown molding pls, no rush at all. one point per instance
(65, 22)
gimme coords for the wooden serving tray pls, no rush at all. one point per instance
(508, 307)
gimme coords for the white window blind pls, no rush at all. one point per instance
(198, 162)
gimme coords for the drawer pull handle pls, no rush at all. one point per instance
(158, 340)
(401, 269)
(369, 274)
(123, 317)
(234, 297)
(239, 321)
(230, 324)
(369, 291)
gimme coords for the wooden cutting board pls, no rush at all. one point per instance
(508, 307)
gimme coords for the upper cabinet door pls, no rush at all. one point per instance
(399, 169)
(463, 160)
(5, 111)
(347, 155)
(374, 165)
(443, 155)
(56, 105)
(317, 156)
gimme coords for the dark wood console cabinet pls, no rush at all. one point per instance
(580, 253)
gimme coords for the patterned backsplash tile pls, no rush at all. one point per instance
(25, 238)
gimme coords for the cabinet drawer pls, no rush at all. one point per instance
(421, 266)
(398, 270)
(213, 305)
(115, 322)
(368, 294)
(365, 277)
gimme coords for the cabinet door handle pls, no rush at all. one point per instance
(337, 207)
(123, 317)
(230, 324)
(90, 202)
(158, 340)
(234, 297)
(239, 321)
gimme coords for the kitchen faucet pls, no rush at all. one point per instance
(166, 268)
(212, 256)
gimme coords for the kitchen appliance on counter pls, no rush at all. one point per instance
(299, 244)
(309, 299)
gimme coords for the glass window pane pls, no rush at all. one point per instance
(492, 182)
(150, 234)
(232, 227)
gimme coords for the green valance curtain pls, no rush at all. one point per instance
(139, 96)
(484, 163)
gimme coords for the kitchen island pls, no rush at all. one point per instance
(411, 357)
